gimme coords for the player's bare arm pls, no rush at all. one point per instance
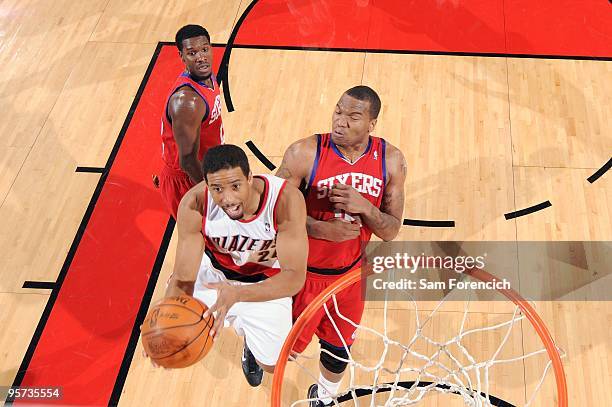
(186, 109)
(298, 160)
(386, 221)
(190, 246)
(296, 168)
(292, 253)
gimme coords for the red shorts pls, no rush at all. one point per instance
(350, 305)
(173, 185)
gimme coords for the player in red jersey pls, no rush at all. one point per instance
(191, 120)
(354, 186)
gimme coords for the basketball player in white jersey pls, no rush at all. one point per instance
(252, 231)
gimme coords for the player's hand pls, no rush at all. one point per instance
(227, 295)
(346, 198)
(339, 230)
(155, 365)
(144, 354)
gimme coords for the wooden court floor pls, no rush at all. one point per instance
(483, 135)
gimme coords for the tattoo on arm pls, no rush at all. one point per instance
(382, 218)
(290, 169)
(283, 172)
(386, 201)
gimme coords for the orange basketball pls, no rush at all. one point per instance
(175, 334)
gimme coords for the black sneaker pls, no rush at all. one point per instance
(252, 371)
(313, 393)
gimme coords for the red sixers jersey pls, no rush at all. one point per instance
(211, 131)
(367, 175)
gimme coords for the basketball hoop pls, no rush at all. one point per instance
(474, 394)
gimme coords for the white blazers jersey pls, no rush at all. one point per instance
(244, 250)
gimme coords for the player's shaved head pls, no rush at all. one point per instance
(366, 94)
(190, 31)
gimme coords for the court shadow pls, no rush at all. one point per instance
(465, 202)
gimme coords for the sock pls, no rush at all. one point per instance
(322, 389)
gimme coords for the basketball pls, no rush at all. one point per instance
(174, 332)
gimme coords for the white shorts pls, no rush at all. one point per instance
(265, 325)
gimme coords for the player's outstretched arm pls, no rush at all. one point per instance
(292, 239)
(186, 109)
(190, 245)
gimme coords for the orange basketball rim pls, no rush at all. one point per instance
(526, 308)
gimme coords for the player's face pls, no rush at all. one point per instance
(230, 189)
(351, 122)
(197, 56)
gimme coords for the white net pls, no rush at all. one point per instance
(403, 367)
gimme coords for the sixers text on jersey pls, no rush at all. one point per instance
(363, 183)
